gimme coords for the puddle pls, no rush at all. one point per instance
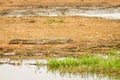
(32, 72)
(98, 11)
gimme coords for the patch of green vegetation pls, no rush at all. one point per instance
(90, 63)
(39, 63)
(68, 62)
(52, 20)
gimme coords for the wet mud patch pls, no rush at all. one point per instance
(111, 12)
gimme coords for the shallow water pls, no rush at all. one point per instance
(32, 72)
(98, 11)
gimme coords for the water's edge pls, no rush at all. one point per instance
(26, 71)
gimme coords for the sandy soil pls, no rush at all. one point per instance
(94, 34)
(14, 4)
(82, 30)
(85, 32)
(58, 2)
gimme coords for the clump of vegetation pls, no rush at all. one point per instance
(52, 20)
(39, 63)
(68, 62)
(110, 62)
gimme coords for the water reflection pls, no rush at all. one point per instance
(33, 72)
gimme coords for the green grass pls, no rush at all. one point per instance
(88, 62)
(39, 63)
(68, 62)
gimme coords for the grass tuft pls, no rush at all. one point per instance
(88, 62)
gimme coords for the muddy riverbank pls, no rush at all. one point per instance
(58, 31)
(87, 34)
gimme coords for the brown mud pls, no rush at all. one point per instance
(94, 34)
(87, 34)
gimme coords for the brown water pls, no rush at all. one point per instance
(11, 71)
